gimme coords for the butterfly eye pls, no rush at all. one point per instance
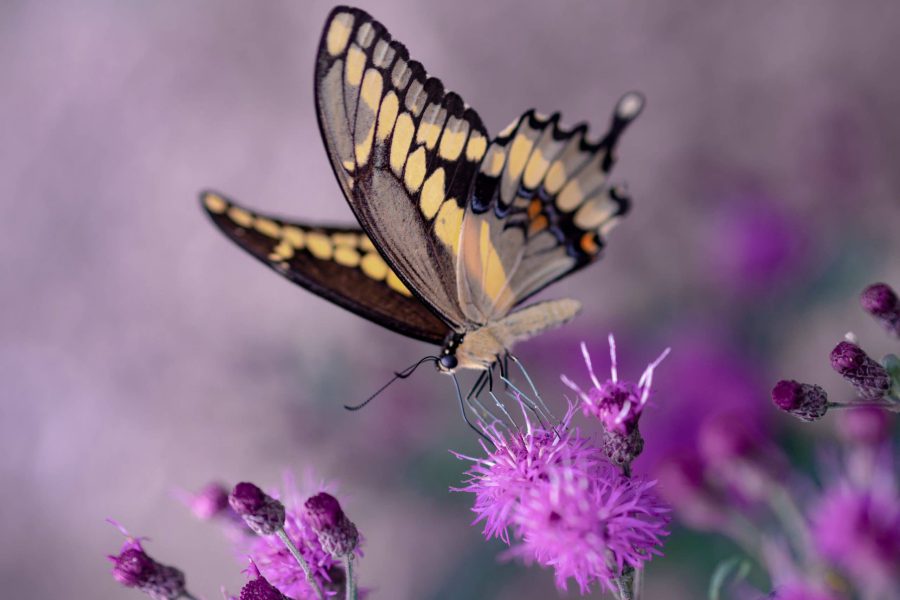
(449, 362)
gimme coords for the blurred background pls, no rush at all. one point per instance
(141, 352)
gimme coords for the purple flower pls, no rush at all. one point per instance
(262, 513)
(337, 534)
(805, 401)
(682, 481)
(870, 379)
(133, 568)
(858, 529)
(617, 404)
(517, 461)
(275, 562)
(864, 425)
(590, 529)
(737, 452)
(755, 244)
(880, 301)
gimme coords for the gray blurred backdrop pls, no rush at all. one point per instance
(142, 352)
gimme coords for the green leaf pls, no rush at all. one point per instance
(732, 570)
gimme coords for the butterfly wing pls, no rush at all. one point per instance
(338, 263)
(404, 150)
(541, 207)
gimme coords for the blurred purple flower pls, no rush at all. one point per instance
(864, 425)
(683, 482)
(208, 503)
(857, 527)
(738, 453)
(590, 529)
(517, 460)
(705, 378)
(755, 244)
(880, 301)
(801, 591)
(134, 568)
(870, 379)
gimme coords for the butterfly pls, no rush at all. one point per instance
(458, 228)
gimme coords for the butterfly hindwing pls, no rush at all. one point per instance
(338, 263)
(404, 150)
(541, 206)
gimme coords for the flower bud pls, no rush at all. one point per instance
(805, 401)
(262, 513)
(135, 569)
(337, 534)
(880, 301)
(870, 379)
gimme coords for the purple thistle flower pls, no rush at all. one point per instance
(617, 404)
(518, 460)
(134, 568)
(590, 529)
(262, 513)
(275, 563)
(858, 529)
(880, 301)
(870, 379)
(337, 534)
(805, 401)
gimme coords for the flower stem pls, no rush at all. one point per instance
(189, 596)
(626, 588)
(888, 406)
(351, 578)
(302, 562)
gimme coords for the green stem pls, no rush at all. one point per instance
(785, 509)
(888, 406)
(625, 585)
(302, 562)
(351, 578)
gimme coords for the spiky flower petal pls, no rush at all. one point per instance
(590, 529)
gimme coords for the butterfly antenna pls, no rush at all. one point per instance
(401, 375)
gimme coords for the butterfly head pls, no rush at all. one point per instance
(447, 361)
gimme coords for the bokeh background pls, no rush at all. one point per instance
(141, 352)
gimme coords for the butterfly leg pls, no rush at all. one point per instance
(478, 387)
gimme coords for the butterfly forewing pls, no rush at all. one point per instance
(404, 150)
(338, 263)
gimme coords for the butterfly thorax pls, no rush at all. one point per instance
(481, 347)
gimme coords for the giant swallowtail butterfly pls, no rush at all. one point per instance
(458, 228)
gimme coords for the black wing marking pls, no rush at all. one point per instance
(338, 263)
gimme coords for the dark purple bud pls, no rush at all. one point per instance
(865, 425)
(870, 379)
(803, 400)
(260, 589)
(622, 448)
(337, 534)
(262, 513)
(880, 301)
(135, 569)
